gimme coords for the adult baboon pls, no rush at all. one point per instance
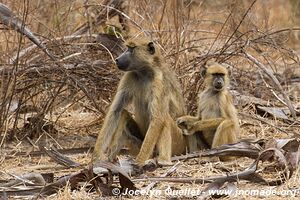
(155, 95)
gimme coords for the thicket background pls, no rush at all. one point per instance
(63, 102)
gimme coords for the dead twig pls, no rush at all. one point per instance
(275, 80)
(244, 148)
(58, 157)
(167, 173)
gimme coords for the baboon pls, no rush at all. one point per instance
(216, 122)
(155, 95)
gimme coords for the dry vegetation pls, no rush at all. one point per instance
(60, 100)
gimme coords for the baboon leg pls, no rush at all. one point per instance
(225, 134)
(133, 146)
(179, 141)
(133, 137)
(127, 130)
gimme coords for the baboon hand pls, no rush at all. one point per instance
(181, 123)
(186, 123)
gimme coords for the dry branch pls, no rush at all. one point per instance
(83, 77)
(71, 151)
(278, 150)
(275, 80)
(58, 157)
(243, 149)
(108, 11)
(247, 174)
(8, 18)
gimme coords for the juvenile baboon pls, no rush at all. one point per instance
(216, 122)
(155, 95)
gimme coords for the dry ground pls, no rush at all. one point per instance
(189, 32)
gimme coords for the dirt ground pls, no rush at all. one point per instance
(70, 111)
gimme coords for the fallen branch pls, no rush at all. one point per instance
(8, 18)
(59, 158)
(275, 80)
(62, 151)
(248, 174)
(241, 149)
(285, 152)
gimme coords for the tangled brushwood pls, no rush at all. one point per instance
(58, 77)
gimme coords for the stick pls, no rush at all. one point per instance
(170, 171)
(275, 80)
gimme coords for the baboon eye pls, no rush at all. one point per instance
(218, 74)
(151, 48)
(130, 49)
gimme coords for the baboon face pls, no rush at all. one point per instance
(216, 77)
(137, 56)
(218, 81)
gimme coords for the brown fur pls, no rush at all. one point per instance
(155, 95)
(217, 117)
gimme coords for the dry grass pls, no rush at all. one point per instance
(189, 33)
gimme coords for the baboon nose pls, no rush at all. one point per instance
(218, 85)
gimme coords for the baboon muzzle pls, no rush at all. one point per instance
(122, 61)
(218, 85)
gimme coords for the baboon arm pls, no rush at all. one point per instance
(207, 124)
(111, 122)
(158, 112)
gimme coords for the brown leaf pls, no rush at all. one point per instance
(291, 145)
(293, 159)
(124, 178)
(73, 179)
(211, 188)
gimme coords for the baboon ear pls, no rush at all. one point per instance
(203, 71)
(229, 71)
(151, 48)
